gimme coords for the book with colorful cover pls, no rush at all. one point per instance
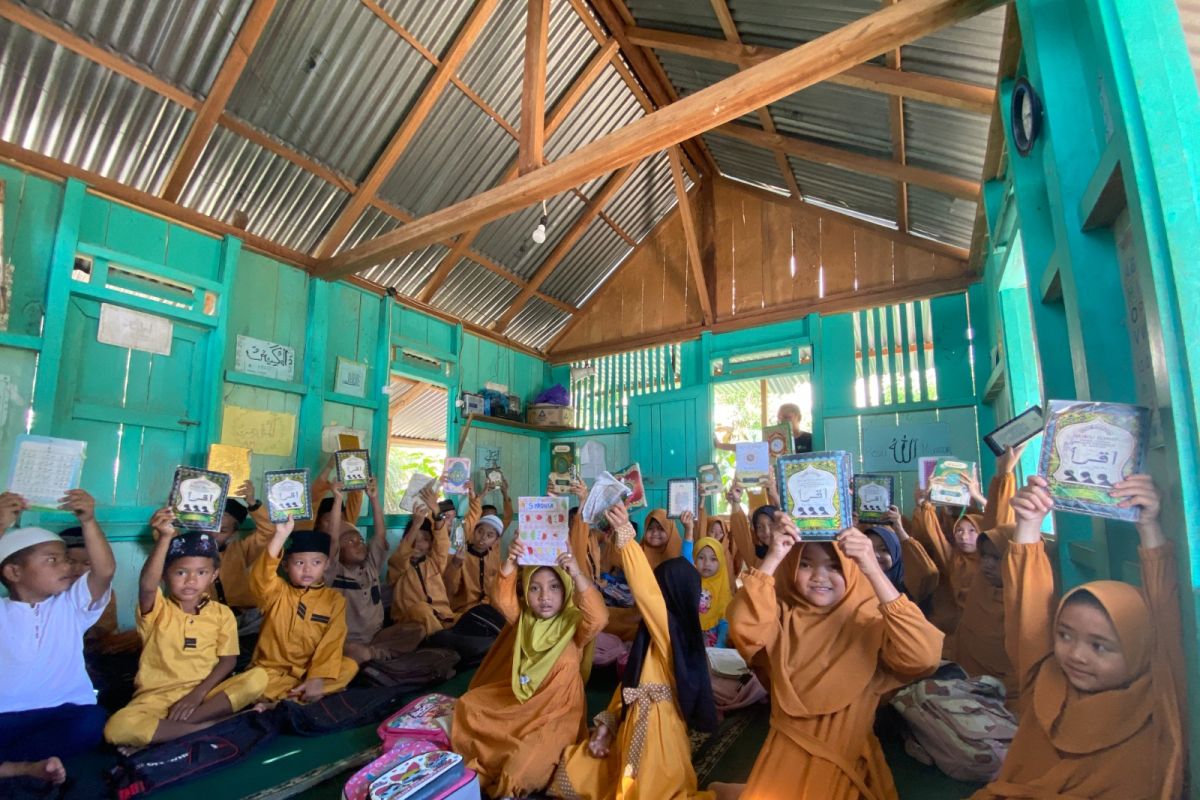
(457, 473)
(925, 467)
(543, 529)
(779, 439)
(287, 494)
(631, 476)
(1087, 449)
(353, 468)
(710, 479)
(948, 483)
(198, 498)
(814, 489)
(873, 495)
(562, 465)
(752, 463)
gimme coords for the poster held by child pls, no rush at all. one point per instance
(542, 529)
(198, 498)
(353, 469)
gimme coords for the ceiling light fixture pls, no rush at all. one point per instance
(539, 233)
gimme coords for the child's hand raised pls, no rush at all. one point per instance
(339, 490)
(734, 494)
(516, 549)
(246, 491)
(855, 544)
(689, 524)
(618, 519)
(11, 506)
(784, 535)
(601, 741)
(79, 503)
(163, 522)
(1030, 505)
(286, 527)
(372, 489)
(568, 564)
(1006, 462)
(1140, 491)
(772, 487)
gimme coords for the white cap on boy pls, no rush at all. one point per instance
(18, 539)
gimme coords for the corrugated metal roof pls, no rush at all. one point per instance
(746, 162)
(684, 16)
(864, 196)
(458, 152)
(689, 74)
(940, 216)
(407, 274)
(838, 115)
(65, 106)
(968, 51)
(285, 203)
(316, 81)
(494, 68)
(508, 240)
(646, 197)
(944, 139)
(587, 265)
(787, 23)
(433, 24)
(423, 415)
(607, 105)
(474, 293)
(536, 324)
(185, 43)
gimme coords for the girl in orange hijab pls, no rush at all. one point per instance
(660, 542)
(511, 727)
(1102, 673)
(979, 637)
(837, 636)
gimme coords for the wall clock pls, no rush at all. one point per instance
(1026, 117)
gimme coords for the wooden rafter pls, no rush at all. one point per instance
(218, 96)
(533, 86)
(569, 240)
(899, 148)
(575, 92)
(729, 28)
(704, 110)
(869, 77)
(691, 236)
(848, 159)
(648, 72)
(383, 166)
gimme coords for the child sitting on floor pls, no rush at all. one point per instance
(48, 708)
(709, 558)
(105, 637)
(837, 636)
(472, 570)
(512, 729)
(304, 621)
(356, 567)
(640, 745)
(415, 570)
(190, 645)
(1102, 670)
(238, 553)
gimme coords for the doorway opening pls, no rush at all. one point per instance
(417, 414)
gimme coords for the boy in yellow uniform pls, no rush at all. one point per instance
(304, 621)
(189, 645)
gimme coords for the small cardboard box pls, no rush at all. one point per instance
(551, 416)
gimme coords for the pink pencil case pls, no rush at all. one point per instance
(359, 785)
(427, 718)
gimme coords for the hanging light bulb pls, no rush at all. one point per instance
(539, 233)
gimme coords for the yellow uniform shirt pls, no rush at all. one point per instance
(239, 555)
(303, 630)
(179, 649)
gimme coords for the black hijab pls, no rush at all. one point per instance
(680, 585)
(891, 541)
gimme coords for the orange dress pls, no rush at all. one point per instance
(650, 756)
(515, 745)
(956, 569)
(1122, 744)
(741, 537)
(419, 592)
(468, 580)
(623, 622)
(921, 575)
(829, 668)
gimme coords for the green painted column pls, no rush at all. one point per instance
(312, 406)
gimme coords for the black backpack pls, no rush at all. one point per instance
(349, 708)
(182, 759)
(412, 671)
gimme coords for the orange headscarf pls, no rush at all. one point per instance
(827, 656)
(963, 566)
(1081, 724)
(979, 638)
(674, 546)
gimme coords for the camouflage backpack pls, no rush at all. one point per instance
(957, 723)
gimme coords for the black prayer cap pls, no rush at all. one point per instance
(325, 506)
(193, 544)
(236, 510)
(309, 542)
(72, 537)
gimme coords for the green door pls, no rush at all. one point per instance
(139, 412)
(670, 435)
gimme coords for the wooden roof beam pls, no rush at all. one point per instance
(870, 77)
(704, 110)
(533, 87)
(848, 159)
(575, 92)
(572, 237)
(899, 150)
(407, 131)
(691, 236)
(218, 96)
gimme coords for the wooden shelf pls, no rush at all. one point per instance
(512, 423)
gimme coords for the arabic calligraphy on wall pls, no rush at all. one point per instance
(265, 359)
